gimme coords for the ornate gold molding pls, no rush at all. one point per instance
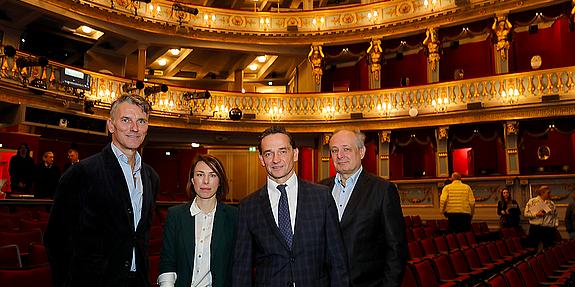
(340, 25)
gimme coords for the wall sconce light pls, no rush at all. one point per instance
(384, 110)
(328, 112)
(154, 10)
(209, 20)
(511, 96)
(265, 23)
(431, 4)
(221, 112)
(440, 105)
(318, 23)
(373, 16)
(275, 113)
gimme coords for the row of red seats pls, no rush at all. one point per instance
(467, 265)
(554, 266)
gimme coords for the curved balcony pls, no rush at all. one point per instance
(510, 96)
(338, 25)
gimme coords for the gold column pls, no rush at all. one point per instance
(441, 157)
(323, 166)
(383, 165)
(374, 56)
(316, 58)
(501, 27)
(511, 147)
(431, 43)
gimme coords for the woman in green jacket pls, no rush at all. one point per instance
(199, 236)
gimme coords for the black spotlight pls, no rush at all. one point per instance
(533, 29)
(235, 114)
(31, 62)
(155, 89)
(129, 88)
(9, 51)
(188, 96)
(180, 7)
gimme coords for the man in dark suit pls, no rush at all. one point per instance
(288, 234)
(370, 215)
(98, 230)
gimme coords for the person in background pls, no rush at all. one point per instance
(47, 176)
(288, 232)
(21, 170)
(457, 203)
(199, 236)
(99, 227)
(508, 209)
(570, 217)
(543, 219)
(73, 158)
(370, 215)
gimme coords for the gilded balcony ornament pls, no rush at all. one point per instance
(512, 128)
(374, 51)
(316, 57)
(4, 66)
(432, 44)
(570, 83)
(442, 133)
(573, 10)
(501, 27)
(385, 136)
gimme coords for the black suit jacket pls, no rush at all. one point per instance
(178, 247)
(374, 233)
(317, 257)
(90, 234)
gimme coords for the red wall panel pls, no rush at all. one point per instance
(413, 66)
(476, 60)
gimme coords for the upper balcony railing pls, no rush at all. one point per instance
(439, 99)
(334, 25)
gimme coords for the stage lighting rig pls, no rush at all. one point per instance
(188, 96)
(182, 8)
(155, 89)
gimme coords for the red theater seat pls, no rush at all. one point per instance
(10, 257)
(28, 277)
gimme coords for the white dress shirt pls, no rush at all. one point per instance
(341, 193)
(274, 195)
(202, 276)
(135, 187)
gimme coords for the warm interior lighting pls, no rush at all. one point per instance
(253, 67)
(86, 29)
(162, 62)
(175, 51)
(270, 83)
(195, 145)
(261, 59)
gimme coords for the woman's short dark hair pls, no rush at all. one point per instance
(216, 165)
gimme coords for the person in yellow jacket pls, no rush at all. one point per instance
(457, 203)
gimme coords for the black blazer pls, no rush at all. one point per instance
(90, 233)
(374, 233)
(178, 247)
(317, 258)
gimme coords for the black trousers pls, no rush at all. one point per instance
(538, 234)
(459, 222)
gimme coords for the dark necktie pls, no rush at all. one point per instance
(284, 221)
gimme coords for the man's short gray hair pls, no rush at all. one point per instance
(359, 136)
(131, 99)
